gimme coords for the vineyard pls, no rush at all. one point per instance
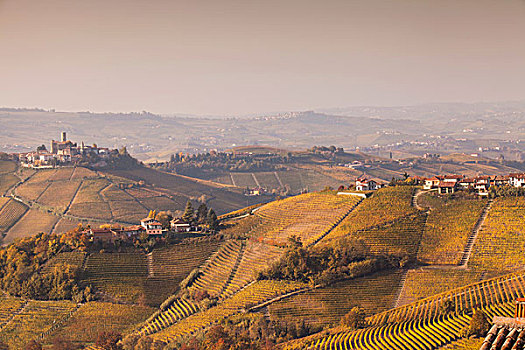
(34, 319)
(325, 306)
(92, 318)
(121, 275)
(499, 290)
(386, 206)
(179, 260)
(33, 221)
(424, 324)
(307, 216)
(10, 213)
(73, 259)
(422, 282)
(499, 244)
(447, 229)
(252, 295)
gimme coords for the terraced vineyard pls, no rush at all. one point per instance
(33, 221)
(423, 325)
(8, 307)
(325, 306)
(400, 238)
(499, 244)
(308, 216)
(422, 282)
(414, 335)
(73, 259)
(92, 318)
(447, 229)
(215, 273)
(121, 275)
(34, 319)
(10, 213)
(499, 290)
(179, 260)
(252, 295)
(386, 206)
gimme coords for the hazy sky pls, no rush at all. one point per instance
(242, 56)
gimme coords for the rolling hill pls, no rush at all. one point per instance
(57, 200)
(425, 302)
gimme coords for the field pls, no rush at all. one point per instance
(74, 259)
(221, 199)
(95, 317)
(295, 180)
(424, 324)
(500, 244)
(422, 282)
(87, 196)
(33, 221)
(325, 306)
(120, 275)
(58, 195)
(6, 182)
(35, 319)
(10, 213)
(385, 206)
(254, 294)
(448, 226)
(309, 216)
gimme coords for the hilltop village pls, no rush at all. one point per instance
(67, 153)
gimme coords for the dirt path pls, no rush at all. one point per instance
(474, 235)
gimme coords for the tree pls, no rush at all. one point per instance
(211, 220)
(63, 344)
(354, 319)
(202, 213)
(41, 148)
(33, 345)
(109, 340)
(164, 218)
(479, 325)
(188, 212)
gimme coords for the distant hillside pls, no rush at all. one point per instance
(495, 128)
(57, 200)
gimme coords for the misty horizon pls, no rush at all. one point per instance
(230, 58)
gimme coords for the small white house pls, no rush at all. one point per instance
(362, 184)
(517, 179)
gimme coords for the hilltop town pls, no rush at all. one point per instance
(68, 153)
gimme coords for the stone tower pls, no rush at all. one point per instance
(63, 137)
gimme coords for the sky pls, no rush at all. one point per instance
(235, 57)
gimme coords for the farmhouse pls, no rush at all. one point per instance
(179, 225)
(363, 184)
(152, 226)
(517, 179)
(445, 187)
(432, 182)
(103, 234)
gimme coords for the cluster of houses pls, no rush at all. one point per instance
(61, 152)
(446, 184)
(149, 226)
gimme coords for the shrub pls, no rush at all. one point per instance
(479, 325)
(354, 319)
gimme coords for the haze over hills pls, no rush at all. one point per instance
(493, 128)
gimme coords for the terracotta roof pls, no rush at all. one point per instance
(517, 175)
(446, 184)
(504, 337)
(179, 222)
